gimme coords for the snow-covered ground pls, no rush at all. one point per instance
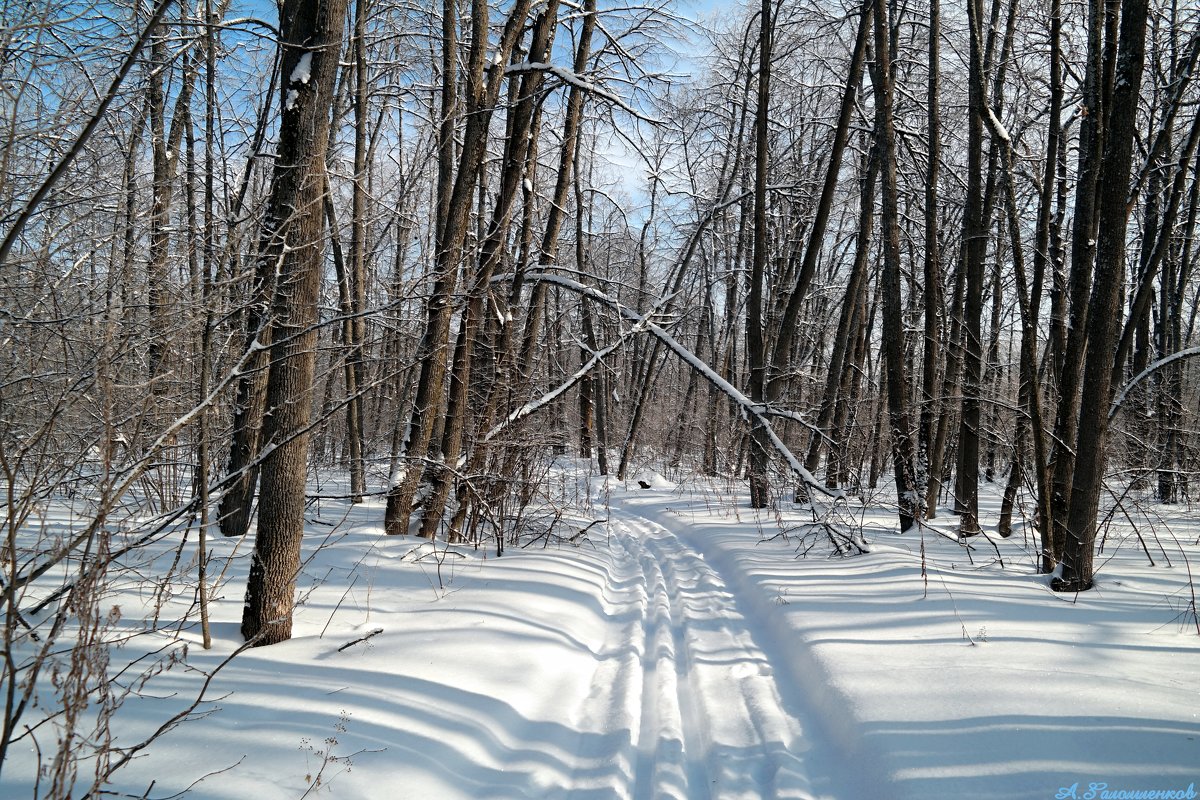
(681, 649)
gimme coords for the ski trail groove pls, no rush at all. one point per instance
(612, 710)
(711, 722)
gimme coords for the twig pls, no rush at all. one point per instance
(375, 632)
(339, 605)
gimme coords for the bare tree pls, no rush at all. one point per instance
(292, 243)
(755, 346)
(1102, 330)
(909, 493)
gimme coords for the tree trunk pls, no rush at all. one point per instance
(1172, 483)
(850, 314)
(1104, 319)
(456, 187)
(162, 160)
(439, 473)
(310, 32)
(816, 238)
(760, 489)
(241, 471)
(357, 273)
(932, 267)
(974, 250)
(849, 395)
(1045, 252)
(1083, 250)
(908, 492)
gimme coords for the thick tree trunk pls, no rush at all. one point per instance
(310, 32)
(1083, 250)
(1104, 319)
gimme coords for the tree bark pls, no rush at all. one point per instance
(1083, 251)
(241, 471)
(1044, 258)
(908, 492)
(849, 317)
(310, 38)
(932, 272)
(456, 187)
(357, 273)
(755, 345)
(439, 474)
(974, 250)
(1103, 322)
(781, 352)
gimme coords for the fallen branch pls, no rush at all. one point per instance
(375, 632)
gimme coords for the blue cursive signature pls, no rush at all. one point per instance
(1101, 791)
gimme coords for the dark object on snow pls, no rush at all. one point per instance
(375, 632)
(643, 484)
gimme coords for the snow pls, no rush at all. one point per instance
(1187, 352)
(302, 72)
(748, 408)
(577, 81)
(680, 649)
(301, 75)
(997, 127)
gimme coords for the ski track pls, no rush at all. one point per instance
(688, 697)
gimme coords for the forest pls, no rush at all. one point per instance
(424, 259)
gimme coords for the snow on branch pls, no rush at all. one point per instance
(533, 406)
(1189, 352)
(758, 411)
(572, 79)
(997, 127)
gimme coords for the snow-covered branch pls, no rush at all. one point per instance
(750, 409)
(1189, 352)
(533, 406)
(571, 79)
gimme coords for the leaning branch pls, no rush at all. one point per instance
(533, 406)
(1190, 352)
(751, 410)
(572, 79)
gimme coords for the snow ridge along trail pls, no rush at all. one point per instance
(712, 722)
